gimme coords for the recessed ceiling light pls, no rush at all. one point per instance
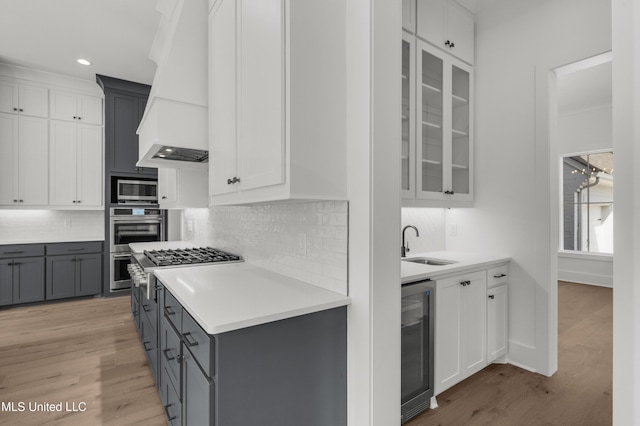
(168, 149)
(84, 62)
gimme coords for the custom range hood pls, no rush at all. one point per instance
(173, 132)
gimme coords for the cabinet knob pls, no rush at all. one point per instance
(233, 180)
(15, 109)
(491, 296)
(449, 43)
(449, 192)
(80, 118)
(74, 117)
(21, 110)
(22, 201)
(15, 201)
(465, 283)
(79, 201)
(74, 201)
(164, 197)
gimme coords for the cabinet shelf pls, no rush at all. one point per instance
(437, 163)
(431, 88)
(435, 126)
(459, 101)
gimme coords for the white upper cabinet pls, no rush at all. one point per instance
(76, 165)
(277, 110)
(447, 26)
(182, 188)
(23, 99)
(24, 161)
(437, 132)
(78, 108)
(409, 16)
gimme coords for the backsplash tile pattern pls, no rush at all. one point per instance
(272, 236)
(25, 226)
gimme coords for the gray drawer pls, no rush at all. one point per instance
(172, 310)
(170, 400)
(21, 250)
(74, 248)
(199, 343)
(149, 308)
(170, 350)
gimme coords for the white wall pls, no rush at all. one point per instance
(586, 130)
(517, 43)
(626, 269)
(430, 224)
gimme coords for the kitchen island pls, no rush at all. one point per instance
(238, 345)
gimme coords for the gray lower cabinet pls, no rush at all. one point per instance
(36, 272)
(73, 270)
(283, 373)
(21, 274)
(21, 280)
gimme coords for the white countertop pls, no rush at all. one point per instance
(52, 240)
(465, 262)
(232, 296)
(160, 245)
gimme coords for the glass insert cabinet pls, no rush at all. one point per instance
(437, 125)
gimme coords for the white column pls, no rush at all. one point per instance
(626, 269)
(373, 157)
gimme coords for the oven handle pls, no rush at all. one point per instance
(122, 256)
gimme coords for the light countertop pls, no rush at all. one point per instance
(465, 262)
(160, 245)
(228, 297)
(52, 240)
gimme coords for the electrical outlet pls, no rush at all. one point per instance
(453, 229)
(302, 243)
(190, 225)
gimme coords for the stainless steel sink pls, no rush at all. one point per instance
(429, 261)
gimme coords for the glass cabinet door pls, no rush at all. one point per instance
(430, 142)
(408, 112)
(460, 152)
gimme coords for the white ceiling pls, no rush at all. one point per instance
(115, 35)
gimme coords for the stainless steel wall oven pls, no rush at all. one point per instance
(131, 225)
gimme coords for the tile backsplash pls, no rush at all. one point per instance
(307, 241)
(25, 226)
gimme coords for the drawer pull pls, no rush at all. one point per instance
(186, 339)
(499, 275)
(14, 252)
(491, 296)
(166, 410)
(168, 310)
(146, 308)
(144, 345)
(167, 357)
(465, 283)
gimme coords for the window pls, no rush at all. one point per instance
(587, 182)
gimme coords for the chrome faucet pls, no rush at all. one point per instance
(404, 249)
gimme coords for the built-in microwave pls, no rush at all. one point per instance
(137, 191)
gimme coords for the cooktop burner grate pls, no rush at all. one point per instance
(189, 256)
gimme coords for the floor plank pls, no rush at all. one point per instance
(81, 351)
(579, 393)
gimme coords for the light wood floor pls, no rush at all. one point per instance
(579, 393)
(88, 351)
(84, 351)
